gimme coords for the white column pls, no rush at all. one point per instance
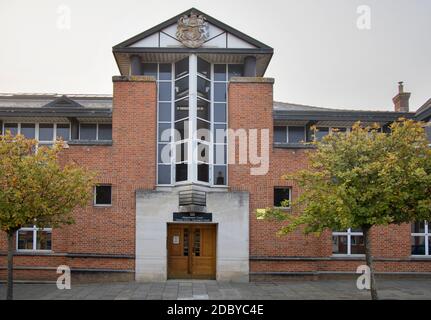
(192, 155)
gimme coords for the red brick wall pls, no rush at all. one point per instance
(129, 164)
(250, 107)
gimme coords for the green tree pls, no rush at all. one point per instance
(35, 189)
(362, 179)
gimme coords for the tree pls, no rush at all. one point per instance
(35, 189)
(361, 179)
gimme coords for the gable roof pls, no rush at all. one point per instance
(173, 20)
(63, 102)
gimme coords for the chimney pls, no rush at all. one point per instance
(401, 100)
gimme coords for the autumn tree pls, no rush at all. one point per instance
(361, 179)
(35, 189)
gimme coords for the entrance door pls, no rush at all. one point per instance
(191, 251)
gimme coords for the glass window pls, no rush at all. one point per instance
(32, 238)
(220, 154)
(165, 153)
(164, 174)
(348, 242)
(320, 133)
(204, 88)
(182, 88)
(203, 172)
(280, 196)
(296, 134)
(181, 109)
(181, 172)
(220, 133)
(105, 132)
(43, 240)
(220, 175)
(165, 71)
(219, 92)
(25, 239)
(150, 69)
(235, 70)
(280, 134)
(428, 131)
(220, 112)
(103, 195)
(165, 111)
(28, 130)
(203, 152)
(87, 131)
(165, 132)
(181, 152)
(181, 130)
(203, 109)
(421, 239)
(165, 91)
(63, 131)
(181, 68)
(204, 68)
(46, 132)
(339, 244)
(219, 72)
(12, 128)
(203, 125)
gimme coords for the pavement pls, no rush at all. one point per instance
(412, 289)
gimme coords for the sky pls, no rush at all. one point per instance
(328, 53)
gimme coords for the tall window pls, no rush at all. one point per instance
(348, 242)
(34, 239)
(192, 110)
(421, 239)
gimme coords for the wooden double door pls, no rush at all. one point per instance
(191, 251)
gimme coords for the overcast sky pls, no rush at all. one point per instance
(321, 57)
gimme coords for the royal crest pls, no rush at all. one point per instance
(192, 30)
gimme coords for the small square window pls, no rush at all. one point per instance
(103, 196)
(280, 196)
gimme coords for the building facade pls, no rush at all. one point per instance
(188, 147)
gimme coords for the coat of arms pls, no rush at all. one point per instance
(192, 30)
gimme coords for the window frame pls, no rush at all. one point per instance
(37, 130)
(290, 197)
(427, 236)
(35, 230)
(349, 233)
(95, 204)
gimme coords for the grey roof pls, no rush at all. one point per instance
(298, 112)
(38, 100)
(424, 112)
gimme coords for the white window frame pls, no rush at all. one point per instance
(95, 194)
(192, 141)
(349, 233)
(426, 235)
(37, 124)
(35, 230)
(290, 198)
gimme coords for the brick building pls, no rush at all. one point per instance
(176, 197)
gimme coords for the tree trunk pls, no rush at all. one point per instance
(11, 248)
(369, 261)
